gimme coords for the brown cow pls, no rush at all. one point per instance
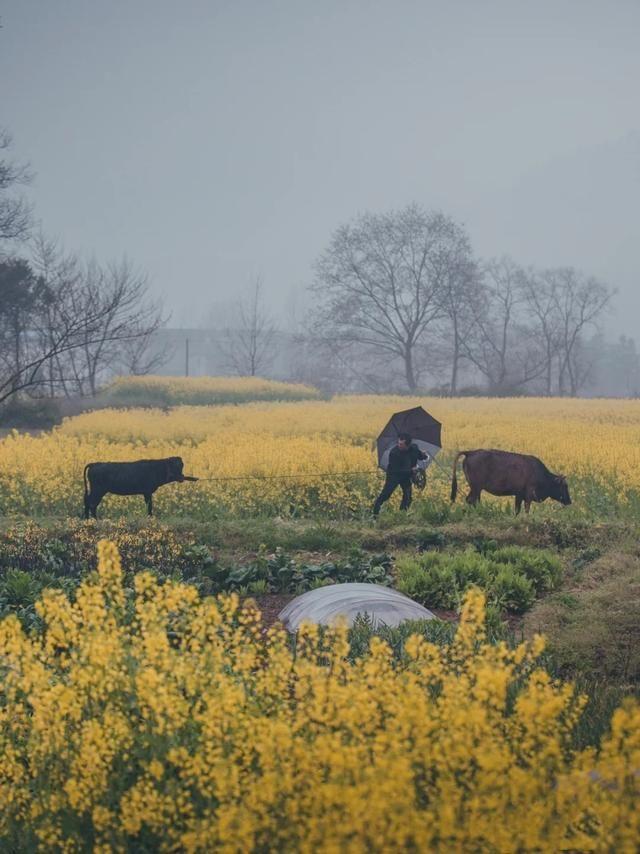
(505, 473)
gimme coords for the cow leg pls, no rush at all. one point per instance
(518, 503)
(474, 496)
(91, 504)
(529, 496)
(149, 501)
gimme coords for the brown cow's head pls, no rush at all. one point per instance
(561, 489)
(174, 469)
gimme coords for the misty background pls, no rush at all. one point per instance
(219, 144)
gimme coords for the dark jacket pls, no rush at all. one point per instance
(401, 462)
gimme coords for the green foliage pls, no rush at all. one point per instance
(542, 568)
(282, 574)
(267, 572)
(512, 591)
(18, 589)
(364, 629)
(511, 576)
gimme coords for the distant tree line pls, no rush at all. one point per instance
(65, 324)
(400, 299)
(401, 303)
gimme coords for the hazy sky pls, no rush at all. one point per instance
(213, 141)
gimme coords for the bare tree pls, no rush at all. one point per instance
(138, 357)
(379, 283)
(15, 212)
(494, 345)
(61, 273)
(580, 302)
(127, 314)
(461, 296)
(529, 326)
(249, 347)
(73, 322)
(540, 292)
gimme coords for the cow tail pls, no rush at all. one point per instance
(84, 477)
(454, 480)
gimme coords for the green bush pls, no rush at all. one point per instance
(511, 590)
(511, 576)
(433, 584)
(542, 568)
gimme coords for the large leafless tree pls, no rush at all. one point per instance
(65, 330)
(380, 283)
(128, 316)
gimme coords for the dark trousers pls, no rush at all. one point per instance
(390, 485)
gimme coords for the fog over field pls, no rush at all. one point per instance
(220, 147)
(216, 140)
(313, 311)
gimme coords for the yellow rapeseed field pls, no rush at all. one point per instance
(201, 391)
(154, 720)
(595, 443)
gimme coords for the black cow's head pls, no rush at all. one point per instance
(560, 489)
(174, 469)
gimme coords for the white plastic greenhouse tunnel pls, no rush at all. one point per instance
(327, 605)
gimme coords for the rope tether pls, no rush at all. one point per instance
(309, 474)
(281, 476)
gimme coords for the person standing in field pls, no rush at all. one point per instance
(402, 465)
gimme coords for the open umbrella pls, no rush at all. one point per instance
(422, 427)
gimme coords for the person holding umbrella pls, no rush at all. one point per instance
(409, 437)
(403, 460)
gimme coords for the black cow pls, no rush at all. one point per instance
(504, 473)
(141, 477)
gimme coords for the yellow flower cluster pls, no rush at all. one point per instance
(206, 390)
(166, 722)
(593, 442)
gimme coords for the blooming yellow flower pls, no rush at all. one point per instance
(196, 733)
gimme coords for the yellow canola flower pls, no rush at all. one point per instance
(196, 732)
(595, 443)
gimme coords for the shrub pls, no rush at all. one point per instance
(511, 577)
(540, 567)
(183, 730)
(511, 590)
(29, 413)
(433, 585)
